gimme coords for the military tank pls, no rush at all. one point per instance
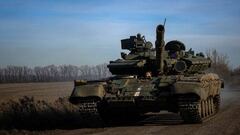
(149, 79)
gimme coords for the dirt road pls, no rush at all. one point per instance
(226, 122)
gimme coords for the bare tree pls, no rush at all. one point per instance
(49, 73)
(220, 63)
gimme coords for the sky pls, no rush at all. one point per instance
(80, 32)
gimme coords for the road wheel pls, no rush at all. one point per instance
(206, 108)
(209, 106)
(203, 114)
(212, 105)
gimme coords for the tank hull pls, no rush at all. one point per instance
(132, 96)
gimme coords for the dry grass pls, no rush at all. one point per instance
(38, 106)
(28, 113)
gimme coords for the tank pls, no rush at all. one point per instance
(151, 79)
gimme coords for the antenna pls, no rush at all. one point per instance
(164, 22)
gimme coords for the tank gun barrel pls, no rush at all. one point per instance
(159, 46)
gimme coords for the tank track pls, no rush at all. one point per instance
(189, 112)
(90, 113)
(197, 111)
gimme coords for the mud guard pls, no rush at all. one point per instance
(92, 90)
(196, 88)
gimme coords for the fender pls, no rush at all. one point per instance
(198, 88)
(89, 90)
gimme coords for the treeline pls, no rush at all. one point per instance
(220, 64)
(235, 80)
(18, 74)
(52, 73)
(236, 71)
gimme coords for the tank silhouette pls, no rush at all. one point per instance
(151, 79)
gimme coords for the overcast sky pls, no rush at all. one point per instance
(35, 33)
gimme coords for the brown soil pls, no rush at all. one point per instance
(43, 91)
(226, 122)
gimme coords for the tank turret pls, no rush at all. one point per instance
(169, 59)
(179, 61)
